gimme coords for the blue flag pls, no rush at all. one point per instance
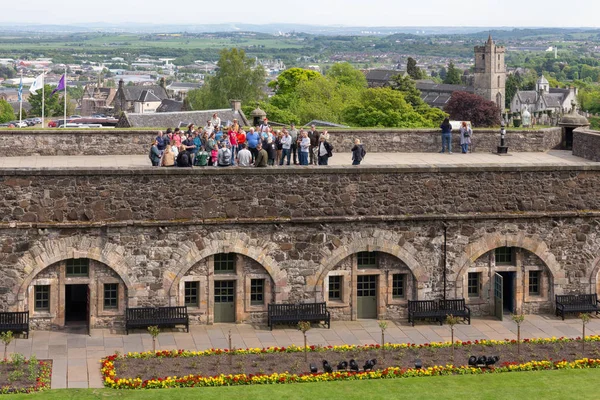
(20, 91)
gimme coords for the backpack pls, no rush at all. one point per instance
(363, 152)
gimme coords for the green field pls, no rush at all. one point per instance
(564, 384)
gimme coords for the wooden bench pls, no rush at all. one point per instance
(576, 303)
(163, 317)
(456, 308)
(425, 309)
(294, 313)
(15, 322)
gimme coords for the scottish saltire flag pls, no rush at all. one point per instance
(20, 91)
(38, 83)
(61, 85)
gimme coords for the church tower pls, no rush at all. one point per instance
(490, 72)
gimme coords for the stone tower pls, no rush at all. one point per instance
(490, 72)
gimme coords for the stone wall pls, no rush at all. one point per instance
(155, 229)
(586, 144)
(148, 195)
(53, 142)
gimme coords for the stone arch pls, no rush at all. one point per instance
(594, 275)
(224, 242)
(51, 251)
(492, 241)
(377, 240)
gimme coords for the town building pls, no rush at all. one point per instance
(128, 95)
(544, 99)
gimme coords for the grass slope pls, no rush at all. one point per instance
(567, 384)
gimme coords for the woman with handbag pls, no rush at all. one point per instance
(465, 137)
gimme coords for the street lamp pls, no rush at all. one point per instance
(503, 148)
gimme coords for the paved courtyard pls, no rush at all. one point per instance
(76, 356)
(554, 157)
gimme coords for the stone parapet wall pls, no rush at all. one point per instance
(586, 144)
(53, 142)
(147, 195)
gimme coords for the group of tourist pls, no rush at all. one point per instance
(261, 146)
(465, 136)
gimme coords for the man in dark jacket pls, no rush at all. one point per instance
(313, 135)
(261, 157)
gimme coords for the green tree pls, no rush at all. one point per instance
(287, 82)
(6, 111)
(384, 107)
(237, 77)
(345, 74)
(513, 85)
(412, 70)
(53, 104)
(452, 75)
(408, 88)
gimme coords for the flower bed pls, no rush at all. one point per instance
(18, 375)
(215, 367)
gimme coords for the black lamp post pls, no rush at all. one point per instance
(503, 148)
(445, 259)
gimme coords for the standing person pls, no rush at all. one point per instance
(241, 139)
(168, 158)
(154, 154)
(244, 157)
(465, 137)
(325, 150)
(176, 138)
(313, 135)
(446, 128)
(215, 121)
(234, 142)
(183, 159)
(294, 147)
(304, 147)
(279, 147)
(253, 139)
(261, 157)
(190, 147)
(264, 127)
(201, 158)
(224, 156)
(160, 141)
(286, 147)
(213, 155)
(271, 149)
(358, 152)
(209, 127)
(190, 130)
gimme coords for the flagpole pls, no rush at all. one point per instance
(21, 101)
(43, 95)
(65, 121)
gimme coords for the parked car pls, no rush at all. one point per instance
(74, 116)
(18, 124)
(37, 120)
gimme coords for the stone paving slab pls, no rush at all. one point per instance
(553, 157)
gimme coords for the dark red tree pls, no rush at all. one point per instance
(464, 106)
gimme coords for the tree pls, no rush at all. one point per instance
(452, 75)
(6, 111)
(304, 326)
(237, 77)
(464, 106)
(345, 74)
(513, 84)
(287, 82)
(518, 318)
(408, 88)
(412, 70)
(7, 72)
(384, 107)
(53, 104)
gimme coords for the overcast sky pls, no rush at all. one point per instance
(480, 13)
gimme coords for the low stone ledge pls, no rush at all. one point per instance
(297, 170)
(303, 220)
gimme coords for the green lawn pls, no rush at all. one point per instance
(566, 384)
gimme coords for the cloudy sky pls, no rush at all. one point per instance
(480, 13)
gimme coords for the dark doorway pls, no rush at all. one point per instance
(76, 304)
(569, 138)
(508, 291)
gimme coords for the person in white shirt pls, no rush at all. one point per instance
(286, 146)
(304, 147)
(215, 121)
(209, 128)
(244, 157)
